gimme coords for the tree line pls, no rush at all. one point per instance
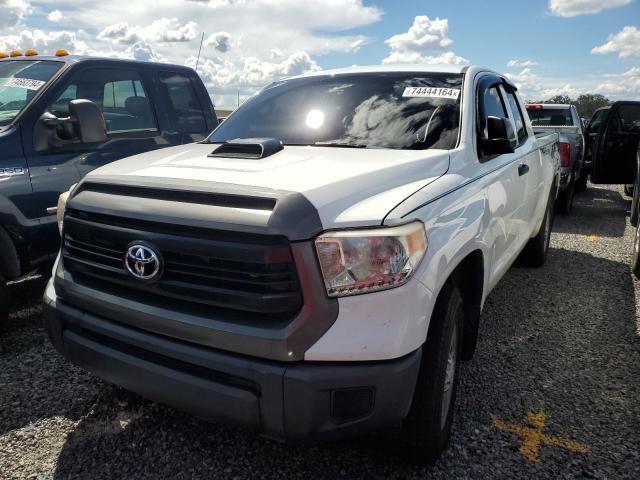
(586, 103)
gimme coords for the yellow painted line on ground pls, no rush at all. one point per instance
(593, 237)
(532, 436)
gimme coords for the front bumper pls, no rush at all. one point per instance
(289, 401)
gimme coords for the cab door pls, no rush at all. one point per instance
(614, 151)
(510, 177)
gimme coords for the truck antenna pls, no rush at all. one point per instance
(199, 50)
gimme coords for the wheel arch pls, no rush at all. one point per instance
(9, 260)
(469, 277)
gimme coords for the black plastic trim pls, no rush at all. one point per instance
(292, 216)
(281, 400)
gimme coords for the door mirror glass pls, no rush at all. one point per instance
(85, 124)
(88, 121)
(501, 136)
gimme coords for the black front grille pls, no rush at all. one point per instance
(218, 274)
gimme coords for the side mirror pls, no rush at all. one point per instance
(501, 137)
(88, 121)
(85, 124)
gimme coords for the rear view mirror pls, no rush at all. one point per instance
(501, 137)
(85, 124)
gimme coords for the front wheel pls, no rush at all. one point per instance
(4, 302)
(427, 428)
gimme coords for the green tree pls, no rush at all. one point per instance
(589, 103)
(563, 99)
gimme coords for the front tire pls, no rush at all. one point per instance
(4, 303)
(535, 252)
(427, 428)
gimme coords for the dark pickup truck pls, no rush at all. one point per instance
(63, 116)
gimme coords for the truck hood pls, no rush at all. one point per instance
(348, 187)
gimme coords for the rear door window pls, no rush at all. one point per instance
(187, 115)
(119, 93)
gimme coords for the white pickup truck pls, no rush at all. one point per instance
(316, 267)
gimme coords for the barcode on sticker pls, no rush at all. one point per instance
(431, 92)
(26, 83)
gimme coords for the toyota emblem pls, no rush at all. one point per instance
(142, 262)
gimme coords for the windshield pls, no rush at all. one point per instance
(382, 110)
(19, 82)
(550, 117)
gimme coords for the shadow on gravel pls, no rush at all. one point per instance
(603, 213)
(35, 382)
(560, 339)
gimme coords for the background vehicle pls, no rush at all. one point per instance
(61, 117)
(612, 139)
(564, 120)
(318, 266)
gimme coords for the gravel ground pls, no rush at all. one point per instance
(563, 340)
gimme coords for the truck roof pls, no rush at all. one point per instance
(417, 67)
(69, 59)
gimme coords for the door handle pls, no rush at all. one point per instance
(522, 169)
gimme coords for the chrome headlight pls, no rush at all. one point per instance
(369, 260)
(62, 206)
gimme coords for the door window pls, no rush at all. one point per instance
(630, 118)
(517, 116)
(596, 121)
(493, 107)
(119, 93)
(187, 115)
(493, 103)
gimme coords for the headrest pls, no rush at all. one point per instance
(137, 106)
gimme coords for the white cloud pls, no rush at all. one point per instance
(616, 86)
(626, 43)
(249, 73)
(415, 57)
(221, 41)
(251, 42)
(144, 52)
(424, 34)
(622, 85)
(13, 11)
(49, 42)
(521, 63)
(572, 8)
(54, 16)
(424, 42)
(161, 30)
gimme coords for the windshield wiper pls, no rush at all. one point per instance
(340, 145)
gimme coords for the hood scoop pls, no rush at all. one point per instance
(248, 148)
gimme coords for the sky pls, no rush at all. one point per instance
(546, 47)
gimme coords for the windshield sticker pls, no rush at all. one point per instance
(26, 83)
(431, 92)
